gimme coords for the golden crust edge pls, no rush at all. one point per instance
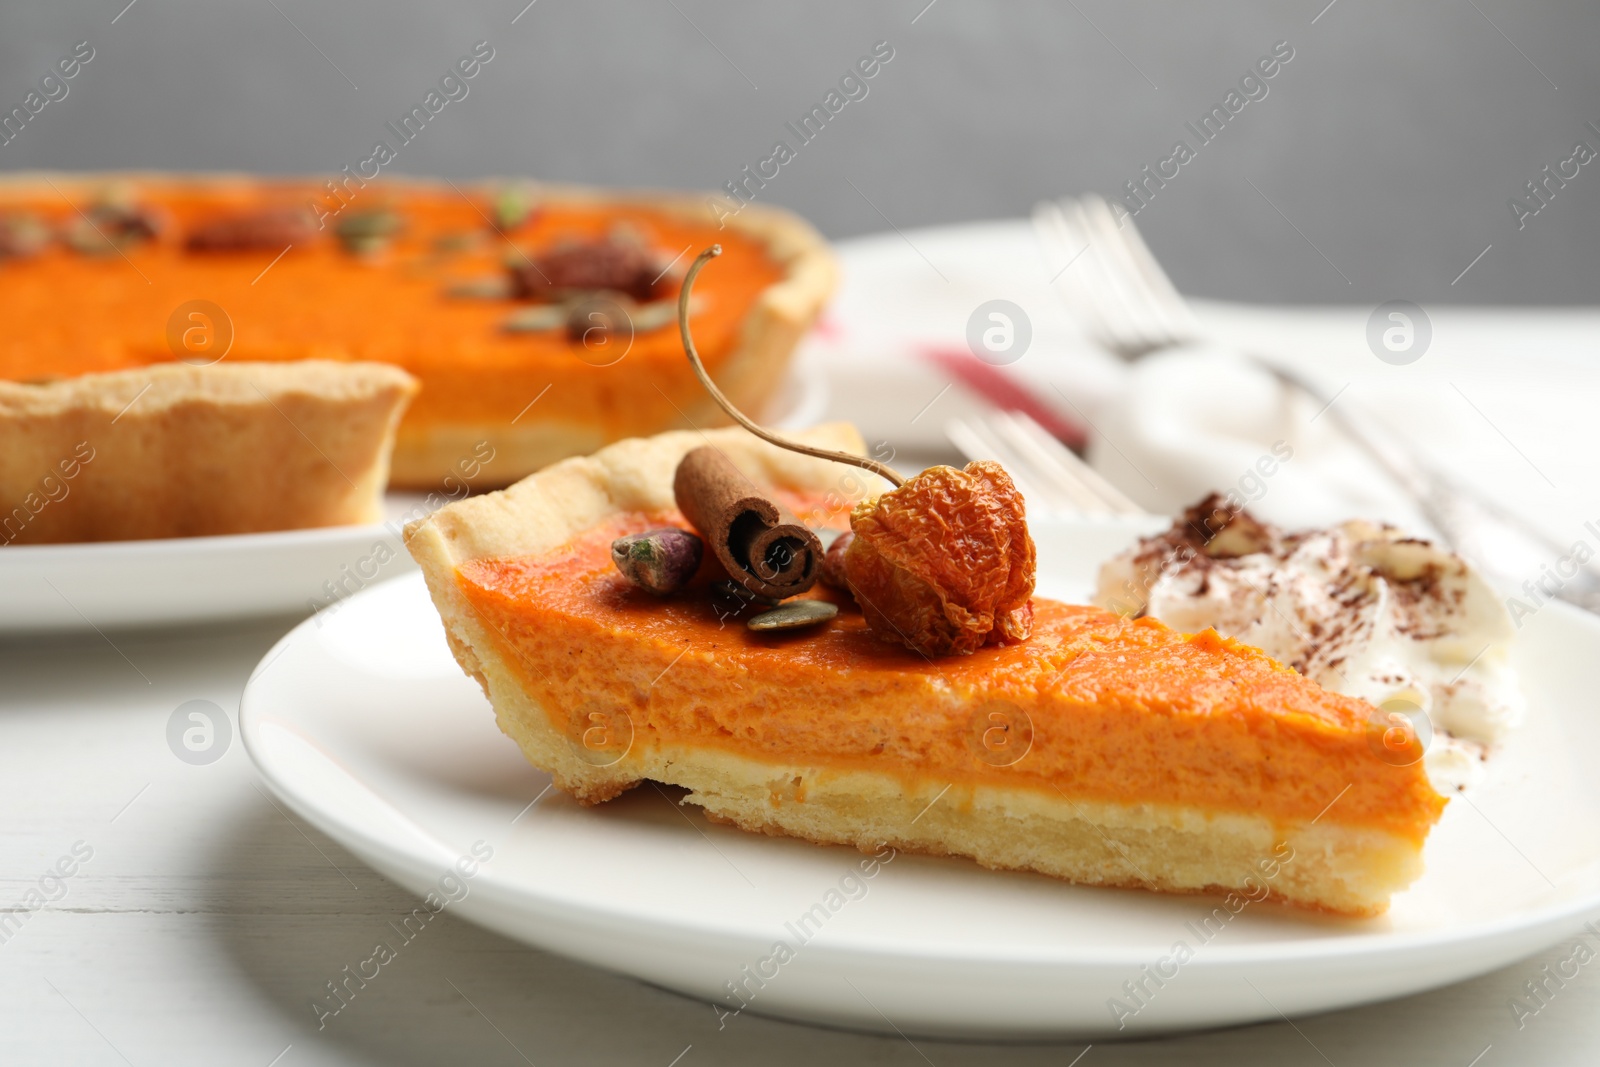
(550, 507)
(165, 385)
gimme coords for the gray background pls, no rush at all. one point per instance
(1392, 141)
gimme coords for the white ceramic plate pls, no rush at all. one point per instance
(121, 584)
(363, 724)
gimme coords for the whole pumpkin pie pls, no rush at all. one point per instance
(537, 321)
(1098, 749)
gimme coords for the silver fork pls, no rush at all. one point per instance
(1051, 478)
(1126, 302)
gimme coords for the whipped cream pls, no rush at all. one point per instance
(1361, 609)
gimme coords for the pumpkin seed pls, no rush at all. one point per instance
(493, 287)
(794, 615)
(512, 206)
(457, 241)
(535, 318)
(368, 232)
(659, 313)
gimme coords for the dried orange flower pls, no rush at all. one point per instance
(944, 563)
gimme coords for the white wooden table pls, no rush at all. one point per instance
(206, 919)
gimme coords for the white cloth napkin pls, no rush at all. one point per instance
(1204, 419)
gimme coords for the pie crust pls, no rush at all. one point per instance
(174, 450)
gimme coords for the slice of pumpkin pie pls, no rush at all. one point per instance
(1094, 748)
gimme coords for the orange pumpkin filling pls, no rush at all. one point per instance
(1092, 705)
(69, 313)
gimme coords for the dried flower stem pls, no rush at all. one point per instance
(883, 471)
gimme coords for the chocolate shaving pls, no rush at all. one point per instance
(759, 542)
(1223, 530)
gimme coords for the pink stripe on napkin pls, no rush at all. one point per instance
(1005, 392)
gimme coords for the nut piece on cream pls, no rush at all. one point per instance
(1361, 609)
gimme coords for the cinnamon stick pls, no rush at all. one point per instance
(758, 541)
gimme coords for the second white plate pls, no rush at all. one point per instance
(366, 727)
(166, 582)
